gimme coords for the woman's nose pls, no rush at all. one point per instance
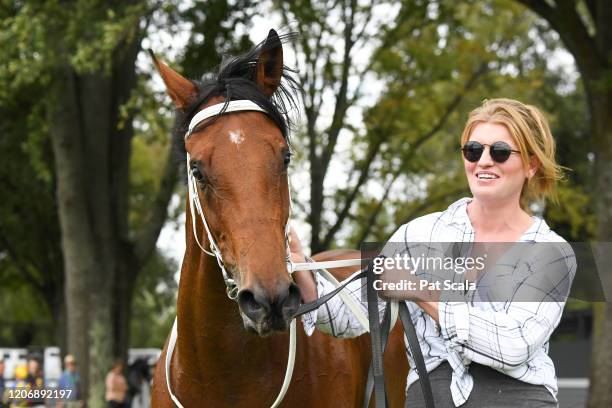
(485, 159)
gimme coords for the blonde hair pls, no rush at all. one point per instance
(529, 129)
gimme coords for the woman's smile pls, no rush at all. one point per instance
(486, 177)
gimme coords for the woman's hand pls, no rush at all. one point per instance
(304, 279)
(295, 247)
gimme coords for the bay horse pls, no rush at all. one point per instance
(234, 353)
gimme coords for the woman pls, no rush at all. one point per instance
(479, 354)
(116, 386)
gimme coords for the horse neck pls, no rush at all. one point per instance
(202, 291)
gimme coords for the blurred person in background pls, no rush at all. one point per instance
(116, 386)
(70, 381)
(35, 381)
(21, 383)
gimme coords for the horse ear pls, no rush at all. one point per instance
(270, 64)
(182, 91)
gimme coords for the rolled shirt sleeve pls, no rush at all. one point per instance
(334, 317)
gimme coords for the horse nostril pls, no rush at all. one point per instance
(274, 311)
(250, 306)
(291, 302)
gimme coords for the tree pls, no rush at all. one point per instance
(80, 57)
(584, 27)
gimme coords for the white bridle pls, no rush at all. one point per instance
(231, 285)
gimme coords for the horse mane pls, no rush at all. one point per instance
(236, 80)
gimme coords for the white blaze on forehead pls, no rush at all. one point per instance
(236, 136)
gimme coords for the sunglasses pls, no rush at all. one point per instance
(499, 151)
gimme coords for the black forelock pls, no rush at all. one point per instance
(235, 80)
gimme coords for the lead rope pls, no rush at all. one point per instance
(231, 286)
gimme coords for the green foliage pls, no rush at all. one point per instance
(96, 30)
(36, 36)
(22, 38)
(154, 305)
(29, 321)
(145, 176)
(437, 60)
(214, 33)
(573, 217)
(30, 258)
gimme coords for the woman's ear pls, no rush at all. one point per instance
(534, 165)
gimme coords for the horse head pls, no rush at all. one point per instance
(239, 161)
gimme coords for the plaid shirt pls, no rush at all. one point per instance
(511, 337)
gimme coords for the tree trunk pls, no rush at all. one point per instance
(599, 90)
(96, 106)
(316, 205)
(54, 298)
(80, 114)
(123, 290)
(77, 237)
(600, 394)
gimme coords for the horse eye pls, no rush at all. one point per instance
(196, 172)
(287, 158)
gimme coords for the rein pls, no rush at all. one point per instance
(368, 322)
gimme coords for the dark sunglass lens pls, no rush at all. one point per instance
(472, 151)
(500, 151)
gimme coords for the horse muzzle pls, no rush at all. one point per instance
(265, 312)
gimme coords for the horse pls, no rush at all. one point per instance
(234, 352)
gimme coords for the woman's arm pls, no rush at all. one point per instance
(506, 334)
(334, 317)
